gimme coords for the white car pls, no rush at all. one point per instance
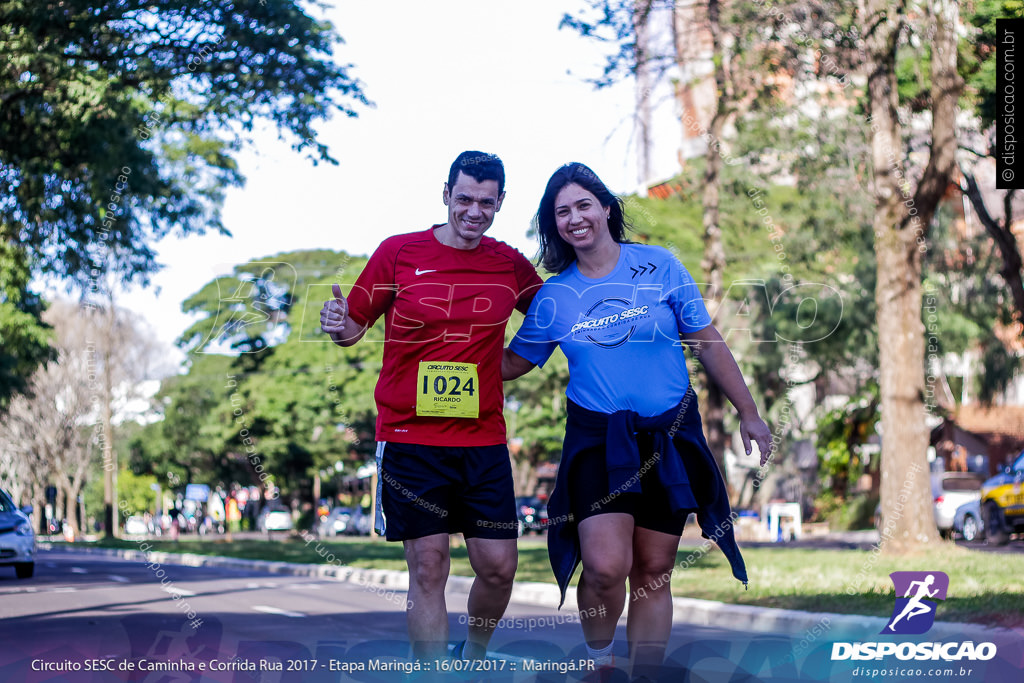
(274, 519)
(951, 490)
(352, 521)
(17, 539)
(968, 521)
(136, 526)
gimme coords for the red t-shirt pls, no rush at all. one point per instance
(441, 304)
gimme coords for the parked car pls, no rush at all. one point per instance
(17, 538)
(532, 513)
(351, 521)
(968, 522)
(136, 525)
(274, 518)
(950, 490)
(1002, 503)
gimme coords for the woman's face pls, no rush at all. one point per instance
(580, 219)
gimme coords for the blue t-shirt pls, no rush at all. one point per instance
(620, 333)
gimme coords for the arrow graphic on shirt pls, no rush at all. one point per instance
(642, 269)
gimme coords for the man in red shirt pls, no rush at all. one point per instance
(446, 294)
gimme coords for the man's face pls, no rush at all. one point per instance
(471, 206)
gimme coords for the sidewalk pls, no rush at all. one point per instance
(771, 620)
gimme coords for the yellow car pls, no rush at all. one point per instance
(1002, 502)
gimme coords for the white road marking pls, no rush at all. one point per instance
(64, 589)
(275, 610)
(311, 586)
(119, 579)
(179, 591)
(79, 570)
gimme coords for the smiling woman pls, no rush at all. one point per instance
(635, 462)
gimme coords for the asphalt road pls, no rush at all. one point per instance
(94, 618)
(100, 613)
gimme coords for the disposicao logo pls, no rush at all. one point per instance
(914, 612)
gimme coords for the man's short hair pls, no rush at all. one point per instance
(480, 167)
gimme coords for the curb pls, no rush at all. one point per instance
(693, 611)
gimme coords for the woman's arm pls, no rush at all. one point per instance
(513, 365)
(713, 353)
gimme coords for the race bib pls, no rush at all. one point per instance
(447, 389)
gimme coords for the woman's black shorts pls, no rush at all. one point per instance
(589, 494)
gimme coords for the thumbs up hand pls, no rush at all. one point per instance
(334, 314)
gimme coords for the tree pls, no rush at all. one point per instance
(122, 354)
(24, 337)
(268, 399)
(120, 122)
(981, 74)
(713, 263)
(535, 415)
(187, 445)
(901, 222)
(742, 61)
(57, 428)
(45, 429)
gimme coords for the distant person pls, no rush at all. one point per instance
(446, 294)
(175, 523)
(635, 462)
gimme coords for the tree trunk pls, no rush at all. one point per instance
(900, 224)
(1004, 238)
(75, 492)
(696, 89)
(110, 520)
(39, 510)
(713, 263)
(71, 510)
(59, 513)
(641, 13)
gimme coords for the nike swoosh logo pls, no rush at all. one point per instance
(422, 272)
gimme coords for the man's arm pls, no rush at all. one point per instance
(513, 365)
(335, 322)
(709, 347)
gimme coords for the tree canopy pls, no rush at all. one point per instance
(120, 123)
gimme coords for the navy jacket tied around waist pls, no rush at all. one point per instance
(694, 483)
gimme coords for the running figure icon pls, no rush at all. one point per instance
(914, 606)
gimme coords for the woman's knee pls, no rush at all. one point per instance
(606, 572)
(651, 576)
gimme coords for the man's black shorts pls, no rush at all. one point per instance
(588, 488)
(426, 490)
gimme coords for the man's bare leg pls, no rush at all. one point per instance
(429, 563)
(494, 561)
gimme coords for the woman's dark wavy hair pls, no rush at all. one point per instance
(555, 254)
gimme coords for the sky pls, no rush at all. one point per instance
(445, 77)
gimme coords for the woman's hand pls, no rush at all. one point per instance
(754, 429)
